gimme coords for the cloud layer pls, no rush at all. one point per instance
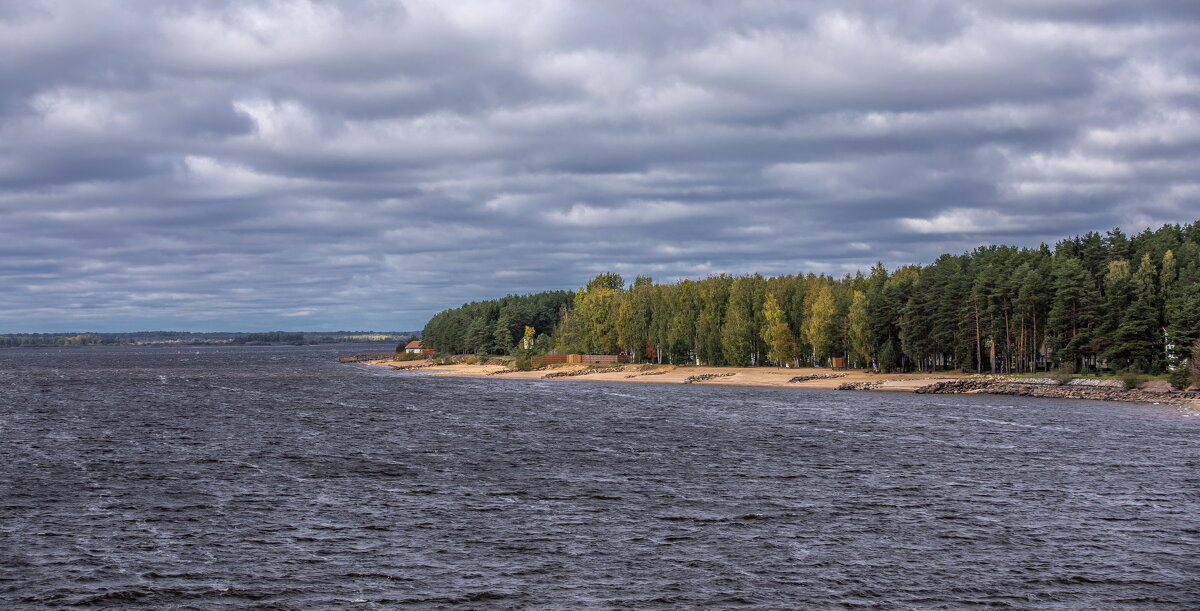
(302, 164)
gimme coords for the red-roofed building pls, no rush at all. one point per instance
(414, 347)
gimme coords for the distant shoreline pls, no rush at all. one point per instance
(820, 379)
(141, 339)
(180, 345)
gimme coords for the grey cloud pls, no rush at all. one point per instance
(304, 164)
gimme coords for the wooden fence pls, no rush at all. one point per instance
(596, 358)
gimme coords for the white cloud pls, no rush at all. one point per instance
(964, 220)
(209, 177)
(633, 214)
(276, 157)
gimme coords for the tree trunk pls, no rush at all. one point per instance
(992, 353)
(1036, 350)
(978, 342)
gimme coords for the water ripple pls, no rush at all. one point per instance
(275, 478)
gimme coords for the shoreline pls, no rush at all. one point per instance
(817, 378)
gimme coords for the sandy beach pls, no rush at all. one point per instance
(822, 378)
(1155, 391)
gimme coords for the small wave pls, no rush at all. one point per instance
(113, 596)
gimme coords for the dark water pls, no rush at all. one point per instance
(276, 478)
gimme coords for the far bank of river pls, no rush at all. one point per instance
(822, 378)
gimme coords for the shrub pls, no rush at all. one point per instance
(887, 358)
(1132, 380)
(1180, 378)
(524, 362)
(1064, 374)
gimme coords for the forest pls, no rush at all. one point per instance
(1106, 302)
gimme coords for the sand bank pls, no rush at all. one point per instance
(811, 378)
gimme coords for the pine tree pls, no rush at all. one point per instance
(478, 336)
(502, 333)
(1183, 320)
(1135, 338)
(1167, 277)
(1118, 296)
(1073, 312)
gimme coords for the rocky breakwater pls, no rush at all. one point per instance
(500, 372)
(816, 376)
(868, 385)
(583, 372)
(646, 373)
(1099, 390)
(404, 367)
(705, 376)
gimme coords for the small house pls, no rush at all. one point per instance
(414, 347)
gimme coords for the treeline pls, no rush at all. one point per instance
(31, 340)
(268, 338)
(1093, 302)
(495, 326)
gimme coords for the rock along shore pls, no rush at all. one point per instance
(1100, 390)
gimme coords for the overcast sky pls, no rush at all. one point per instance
(211, 165)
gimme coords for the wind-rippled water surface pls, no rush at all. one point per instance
(277, 478)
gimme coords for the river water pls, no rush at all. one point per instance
(277, 478)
